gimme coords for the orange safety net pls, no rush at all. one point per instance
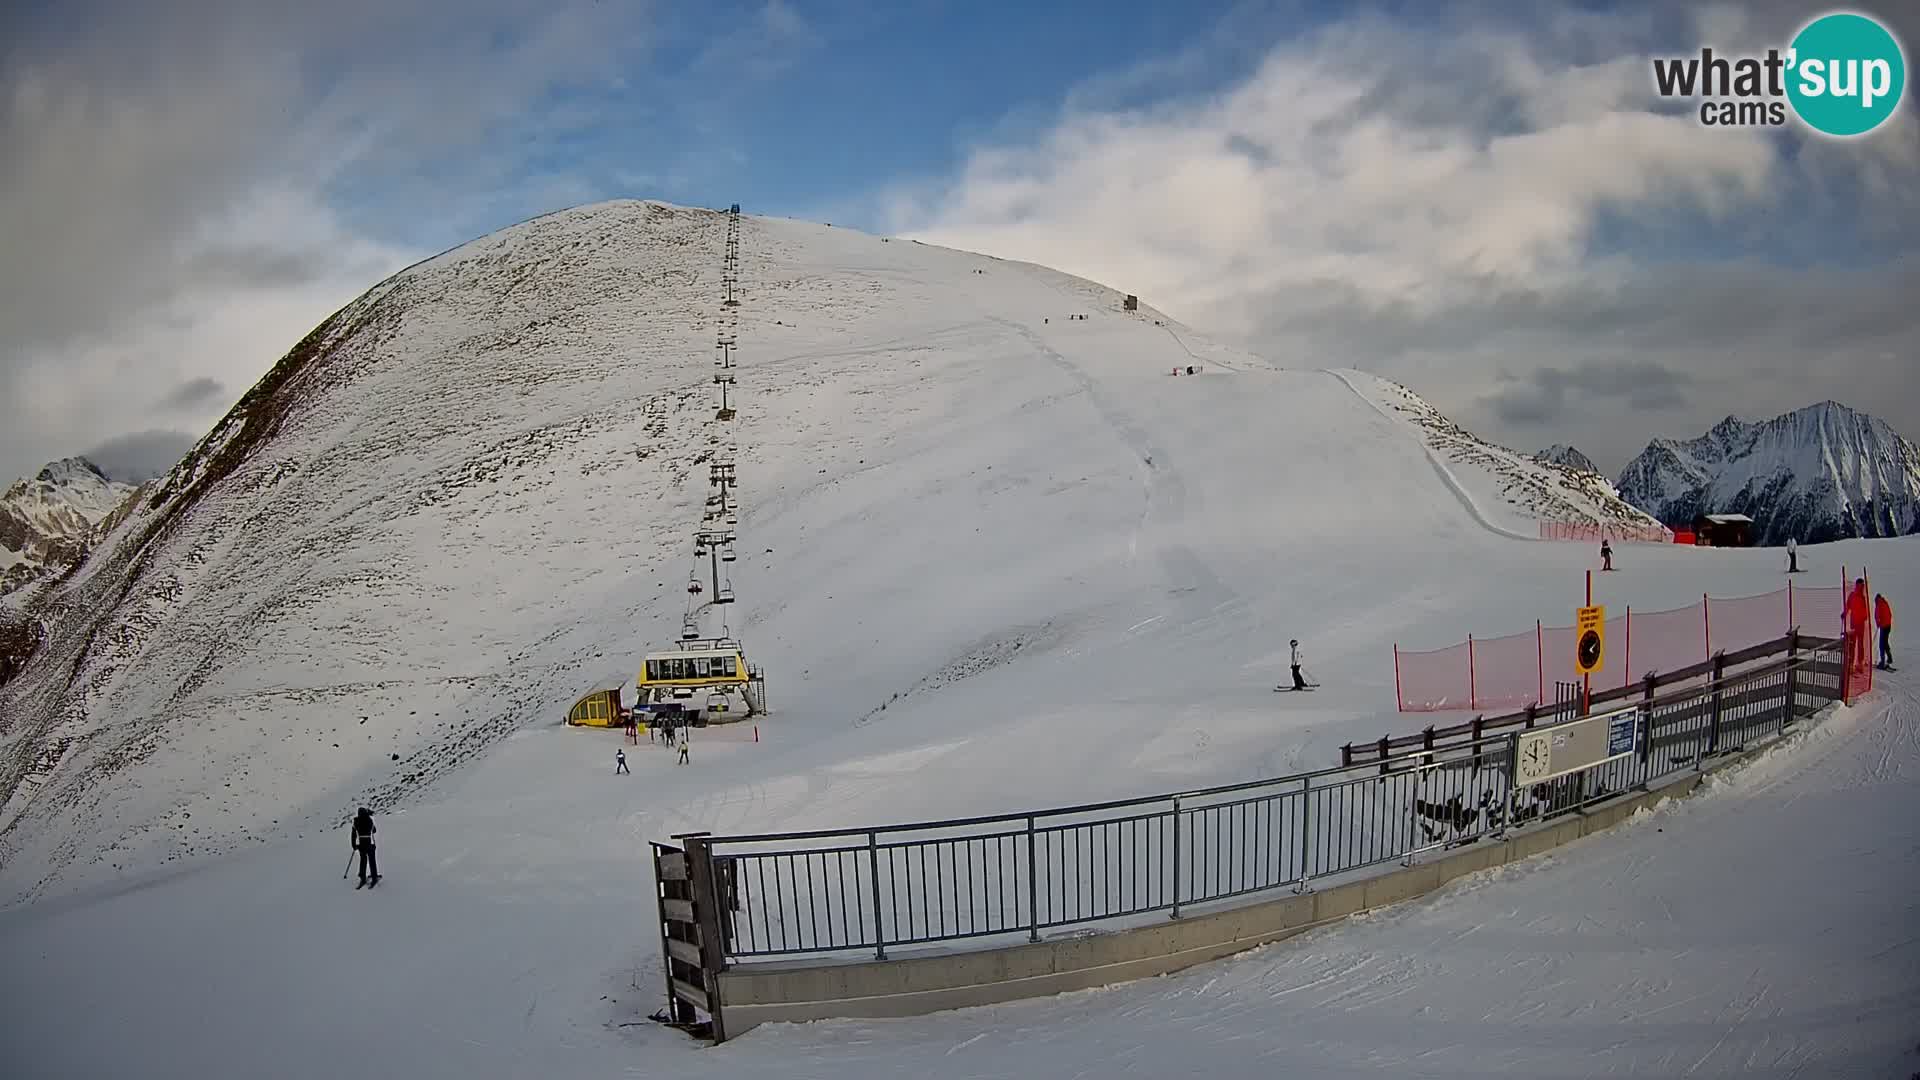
(1513, 671)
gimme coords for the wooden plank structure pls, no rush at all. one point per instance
(691, 945)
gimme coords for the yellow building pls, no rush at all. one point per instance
(601, 708)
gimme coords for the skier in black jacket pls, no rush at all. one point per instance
(363, 831)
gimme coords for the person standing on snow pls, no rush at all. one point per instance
(1883, 618)
(683, 749)
(1793, 556)
(1298, 682)
(363, 831)
(1606, 554)
(1857, 649)
(620, 763)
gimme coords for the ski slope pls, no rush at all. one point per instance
(1764, 928)
(470, 499)
(991, 558)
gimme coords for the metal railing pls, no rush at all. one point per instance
(866, 890)
(1788, 646)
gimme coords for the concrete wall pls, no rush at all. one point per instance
(912, 985)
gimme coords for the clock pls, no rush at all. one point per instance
(1532, 758)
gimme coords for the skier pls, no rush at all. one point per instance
(683, 749)
(620, 763)
(1793, 556)
(1606, 554)
(1298, 682)
(1857, 649)
(363, 831)
(1883, 618)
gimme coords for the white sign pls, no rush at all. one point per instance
(1552, 752)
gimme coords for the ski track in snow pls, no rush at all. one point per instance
(954, 480)
(1440, 467)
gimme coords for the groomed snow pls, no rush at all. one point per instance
(1066, 574)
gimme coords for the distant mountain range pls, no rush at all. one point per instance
(47, 521)
(1568, 456)
(1825, 472)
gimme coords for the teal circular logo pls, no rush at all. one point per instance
(1846, 74)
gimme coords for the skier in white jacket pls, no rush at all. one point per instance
(1298, 682)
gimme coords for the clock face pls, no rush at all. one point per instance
(1533, 759)
(1589, 650)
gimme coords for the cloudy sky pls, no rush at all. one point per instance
(1482, 200)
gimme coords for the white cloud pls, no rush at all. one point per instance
(168, 194)
(1385, 194)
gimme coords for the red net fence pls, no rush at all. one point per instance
(1520, 669)
(1593, 532)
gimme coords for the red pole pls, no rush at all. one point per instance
(1399, 698)
(1866, 575)
(1790, 622)
(1473, 678)
(1539, 664)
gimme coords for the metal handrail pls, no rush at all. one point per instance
(1409, 757)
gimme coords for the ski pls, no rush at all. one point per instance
(1291, 689)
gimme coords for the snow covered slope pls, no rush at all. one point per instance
(1509, 490)
(466, 499)
(1760, 929)
(1571, 457)
(1825, 472)
(45, 521)
(467, 496)
(991, 557)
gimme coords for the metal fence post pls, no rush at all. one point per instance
(1793, 681)
(1509, 758)
(1033, 886)
(1713, 715)
(1176, 858)
(873, 867)
(1306, 833)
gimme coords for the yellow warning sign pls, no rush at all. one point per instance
(1590, 637)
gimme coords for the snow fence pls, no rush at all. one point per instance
(1518, 670)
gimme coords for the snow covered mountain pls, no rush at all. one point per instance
(465, 499)
(1559, 454)
(1825, 472)
(983, 535)
(45, 521)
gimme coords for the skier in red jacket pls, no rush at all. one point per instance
(1883, 618)
(1857, 624)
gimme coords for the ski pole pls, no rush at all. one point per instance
(349, 869)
